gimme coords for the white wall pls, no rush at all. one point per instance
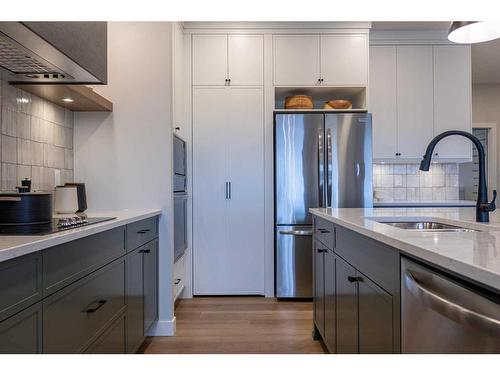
(486, 109)
(125, 157)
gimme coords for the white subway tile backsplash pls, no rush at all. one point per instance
(405, 182)
(9, 176)
(23, 126)
(9, 149)
(9, 121)
(24, 152)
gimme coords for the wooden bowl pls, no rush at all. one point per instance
(299, 102)
(338, 104)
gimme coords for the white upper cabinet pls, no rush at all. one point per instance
(383, 101)
(246, 60)
(416, 93)
(414, 100)
(327, 59)
(344, 60)
(452, 99)
(209, 60)
(223, 60)
(296, 60)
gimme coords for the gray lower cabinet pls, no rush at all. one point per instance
(356, 292)
(330, 303)
(319, 286)
(76, 315)
(135, 300)
(347, 307)
(113, 340)
(150, 284)
(22, 333)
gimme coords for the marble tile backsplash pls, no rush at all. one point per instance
(405, 182)
(36, 140)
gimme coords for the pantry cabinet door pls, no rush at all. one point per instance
(296, 60)
(452, 100)
(344, 60)
(209, 195)
(209, 59)
(383, 101)
(246, 60)
(415, 112)
(244, 263)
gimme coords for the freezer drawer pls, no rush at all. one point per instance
(294, 250)
(439, 315)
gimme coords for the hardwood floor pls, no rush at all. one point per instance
(234, 325)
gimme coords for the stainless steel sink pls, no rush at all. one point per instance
(427, 226)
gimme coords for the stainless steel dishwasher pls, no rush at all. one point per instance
(442, 315)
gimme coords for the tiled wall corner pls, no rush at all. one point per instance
(405, 182)
(36, 140)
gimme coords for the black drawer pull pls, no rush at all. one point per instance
(97, 304)
(322, 250)
(353, 279)
(144, 231)
(145, 251)
(177, 281)
(323, 230)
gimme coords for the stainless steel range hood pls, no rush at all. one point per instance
(53, 52)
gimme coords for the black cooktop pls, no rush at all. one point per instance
(56, 225)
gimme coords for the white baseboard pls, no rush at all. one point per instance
(163, 328)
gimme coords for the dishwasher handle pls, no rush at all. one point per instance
(297, 232)
(451, 310)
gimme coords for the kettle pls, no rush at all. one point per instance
(66, 200)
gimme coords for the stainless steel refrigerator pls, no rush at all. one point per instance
(321, 159)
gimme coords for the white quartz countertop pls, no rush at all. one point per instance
(16, 246)
(473, 255)
(450, 203)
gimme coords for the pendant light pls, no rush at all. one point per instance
(473, 31)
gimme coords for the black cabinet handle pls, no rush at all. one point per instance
(144, 231)
(177, 281)
(398, 153)
(322, 250)
(145, 251)
(97, 306)
(323, 230)
(353, 279)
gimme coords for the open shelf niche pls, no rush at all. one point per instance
(320, 95)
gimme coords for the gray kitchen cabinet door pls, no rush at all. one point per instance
(329, 304)
(112, 341)
(135, 300)
(150, 284)
(319, 286)
(22, 333)
(375, 318)
(347, 307)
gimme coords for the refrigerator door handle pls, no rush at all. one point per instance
(297, 232)
(329, 162)
(321, 168)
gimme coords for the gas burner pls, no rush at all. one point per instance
(72, 221)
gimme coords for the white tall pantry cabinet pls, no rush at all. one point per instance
(228, 164)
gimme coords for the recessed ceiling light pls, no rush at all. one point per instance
(473, 31)
(68, 100)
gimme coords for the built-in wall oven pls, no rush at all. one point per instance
(180, 197)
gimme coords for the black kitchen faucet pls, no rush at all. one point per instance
(483, 207)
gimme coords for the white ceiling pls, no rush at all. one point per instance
(485, 56)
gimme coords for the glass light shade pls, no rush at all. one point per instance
(468, 32)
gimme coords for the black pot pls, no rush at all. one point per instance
(25, 208)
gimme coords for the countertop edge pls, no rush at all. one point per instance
(44, 242)
(487, 278)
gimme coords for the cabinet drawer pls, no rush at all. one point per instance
(141, 232)
(377, 261)
(77, 314)
(112, 341)
(66, 263)
(20, 284)
(324, 231)
(22, 333)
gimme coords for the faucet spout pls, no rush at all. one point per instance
(483, 207)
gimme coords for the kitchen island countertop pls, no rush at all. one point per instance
(16, 246)
(472, 255)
